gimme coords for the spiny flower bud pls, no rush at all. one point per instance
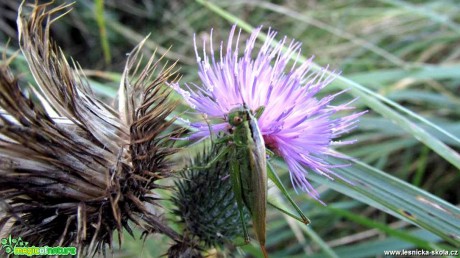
(205, 201)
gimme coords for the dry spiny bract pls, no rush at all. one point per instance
(74, 170)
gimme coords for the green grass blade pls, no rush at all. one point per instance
(304, 228)
(99, 15)
(383, 228)
(397, 198)
(376, 248)
(315, 237)
(426, 12)
(333, 30)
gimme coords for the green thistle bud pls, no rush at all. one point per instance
(206, 204)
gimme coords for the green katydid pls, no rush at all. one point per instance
(249, 170)
(248, 163)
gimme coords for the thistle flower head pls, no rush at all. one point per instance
(295, 124)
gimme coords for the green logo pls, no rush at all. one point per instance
(10, 243)
(17, 246)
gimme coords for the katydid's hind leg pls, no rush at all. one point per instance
(275, 178)
(237, 191)
(286, 212)
(243, 223)
(240, 242)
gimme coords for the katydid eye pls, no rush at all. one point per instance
(237, 120)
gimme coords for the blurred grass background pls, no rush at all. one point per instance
(406, 51)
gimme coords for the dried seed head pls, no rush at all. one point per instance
(74, 170)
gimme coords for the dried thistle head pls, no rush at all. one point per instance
(74, 170)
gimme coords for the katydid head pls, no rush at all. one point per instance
(239, 115)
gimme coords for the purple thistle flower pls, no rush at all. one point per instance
(295, 125)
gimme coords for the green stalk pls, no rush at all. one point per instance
(99, 15)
